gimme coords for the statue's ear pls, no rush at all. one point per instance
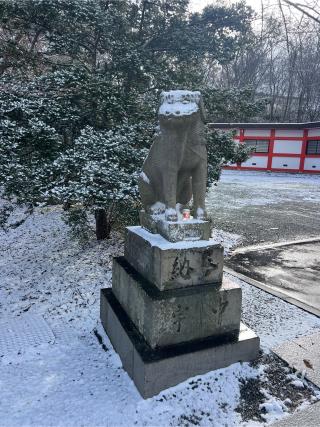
(202, 110)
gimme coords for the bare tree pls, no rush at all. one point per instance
(282, 64)
(309, 11)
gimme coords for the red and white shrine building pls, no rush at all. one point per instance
(278, 147)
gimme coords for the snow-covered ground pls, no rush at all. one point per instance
(263, 188)
(76, 379)
(266, 207)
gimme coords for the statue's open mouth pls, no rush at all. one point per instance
(178, 109)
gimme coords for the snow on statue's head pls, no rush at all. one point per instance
(181, 103)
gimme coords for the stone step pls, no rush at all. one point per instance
(179, 315)
(176, 231)
(155, 370)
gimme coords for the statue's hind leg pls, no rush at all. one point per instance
(148, 196)
(199, 180)
(184, 189)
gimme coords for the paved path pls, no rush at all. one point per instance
(303, 354)
(309, 417)
(291, 271)
(266, 207)
(269, 208)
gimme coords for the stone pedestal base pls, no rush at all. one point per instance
(176, 231)
(173, 265)
(155, 370)
(170, 314)
(178, 315)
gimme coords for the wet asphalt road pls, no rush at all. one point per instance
(292, 270)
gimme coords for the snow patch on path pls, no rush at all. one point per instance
(228, 240)
(27, 330)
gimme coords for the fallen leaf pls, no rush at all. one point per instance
(307, 363)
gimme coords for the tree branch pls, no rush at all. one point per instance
(299, 7)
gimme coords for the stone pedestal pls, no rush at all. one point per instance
(155, 370)
(176, 231)
(178, 315)
(173, 265)
(170, 314)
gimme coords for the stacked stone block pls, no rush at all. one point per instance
(170, 309)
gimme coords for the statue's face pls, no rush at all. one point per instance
(177, 104)
(183, 98)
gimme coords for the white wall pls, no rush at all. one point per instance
(314, 132)
(291, 162)
(289, 132)
(285, 146)
(256, 162)
(309, 162)
(257, 132)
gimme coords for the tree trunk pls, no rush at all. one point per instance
(102, 224)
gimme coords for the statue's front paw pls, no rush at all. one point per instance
(201, 214)
(158, 208)
(171, 215)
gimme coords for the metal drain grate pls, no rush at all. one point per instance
(27, 330)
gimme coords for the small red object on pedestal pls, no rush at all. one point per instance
(186, 214)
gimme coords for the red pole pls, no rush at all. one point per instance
(303, 149)
(271, 145)
(241, 141)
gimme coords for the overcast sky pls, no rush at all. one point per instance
(197, 5)
(200, 4)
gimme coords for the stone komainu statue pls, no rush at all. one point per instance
(176, 166)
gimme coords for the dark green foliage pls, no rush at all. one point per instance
(80, 83)
(100, 172)
(77, 219)
(222, 149)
